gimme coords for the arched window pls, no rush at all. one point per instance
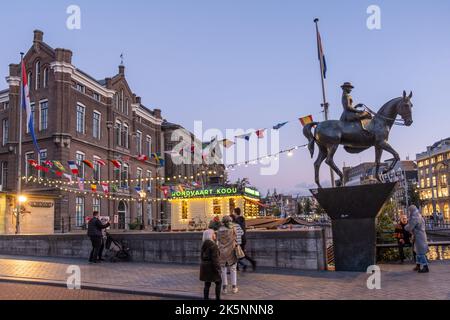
(30, 80)
(121, 101)
(37, 73)
(125, 136)
(118, 128)
(45, 82)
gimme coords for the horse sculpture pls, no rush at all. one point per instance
(328, 135)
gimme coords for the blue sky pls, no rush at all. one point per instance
(251, 64)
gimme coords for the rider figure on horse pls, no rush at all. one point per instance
(352, 113)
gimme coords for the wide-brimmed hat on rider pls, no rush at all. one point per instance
(347, 85)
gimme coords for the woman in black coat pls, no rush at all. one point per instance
(210, 267)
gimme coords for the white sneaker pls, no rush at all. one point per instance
(235, 290)
(224, 290)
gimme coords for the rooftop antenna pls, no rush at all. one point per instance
(121, 59)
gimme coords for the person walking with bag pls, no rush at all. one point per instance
(227, 240)
(210, 270)
(240, 220)
(416, 226)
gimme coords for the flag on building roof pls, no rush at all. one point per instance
(26, 105)
(88, 163)
(280, 125)
(59, 165)
(116, 163)
(306, 120)
(73, 167)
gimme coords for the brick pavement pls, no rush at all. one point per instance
(18, 291)
(397, 281)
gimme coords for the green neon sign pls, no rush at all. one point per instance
(252, 192)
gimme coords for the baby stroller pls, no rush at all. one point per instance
(116, 251)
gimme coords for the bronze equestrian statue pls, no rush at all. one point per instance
(357, 131)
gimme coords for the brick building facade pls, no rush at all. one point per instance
(79, 118)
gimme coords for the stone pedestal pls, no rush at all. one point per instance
(353, 211)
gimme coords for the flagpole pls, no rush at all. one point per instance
(325, 103)
(19, 153)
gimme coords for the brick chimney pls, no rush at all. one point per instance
(38, 36)
(138, 100)
(122, 69)
(63, 55)
(157, 113)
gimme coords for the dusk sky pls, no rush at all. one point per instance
(252, 64)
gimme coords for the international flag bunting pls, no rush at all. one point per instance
(81, 184)
(138, 189)
(280, 125)
(101, 162)
(114, 188)
(195, 184)
(49, 164)
(26, 105)
(142, 158)
(321, 55)
(245, 136)
(260, 133)
(116, 163)
(165, 191)
(59, 165)
(180, 188)
(125, 158)
(88, 163)
(58, 173)
(68, 177)
(73, 167)
(227, 143)
(93, 187)
(33, 163)
(306, 120)
(162, 162)
(105, 187)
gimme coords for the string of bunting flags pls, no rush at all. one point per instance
(289, 152)
(260, 133)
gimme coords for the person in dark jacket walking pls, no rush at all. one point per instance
(403, 237)
(95, 227)
(240, 220)
(210, 266)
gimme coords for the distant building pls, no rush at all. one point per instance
(280, 205)
(404, 173)
(434, 173)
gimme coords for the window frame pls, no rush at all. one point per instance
(83, 123)
(41, 128)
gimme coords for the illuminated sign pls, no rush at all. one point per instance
(212, 192)
(252, 192)
(40, 204)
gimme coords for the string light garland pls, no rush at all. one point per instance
(290, 153)
(56, 184)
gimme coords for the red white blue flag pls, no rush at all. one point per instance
(26, 105)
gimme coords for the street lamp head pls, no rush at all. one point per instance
(22, 199)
